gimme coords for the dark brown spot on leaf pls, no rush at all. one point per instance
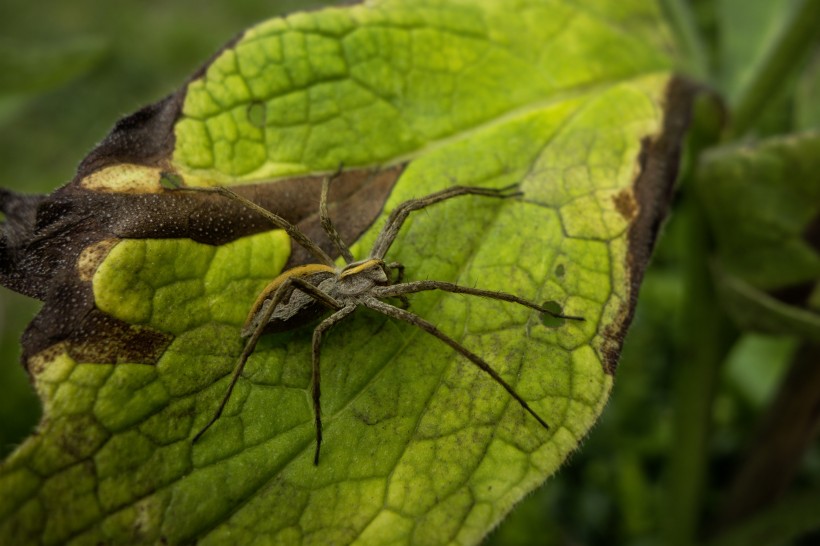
(38, 363)
(70, 320)
(92, 256)
(625, 204)
(146, 137)
(103, 338)
(356, 200)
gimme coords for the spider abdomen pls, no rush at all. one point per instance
(297, 309)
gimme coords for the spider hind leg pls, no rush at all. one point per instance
(430, 328)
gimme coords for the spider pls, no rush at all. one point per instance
(300, 295)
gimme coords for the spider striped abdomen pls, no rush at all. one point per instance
(297, 308)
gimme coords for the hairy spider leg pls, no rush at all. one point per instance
(399, 268)
(284, 290)
(328, 226)
(400, 213)
(399, 289)
(293, 232)
(415, 320)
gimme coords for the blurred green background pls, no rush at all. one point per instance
(695, 391)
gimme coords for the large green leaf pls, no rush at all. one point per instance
(763, 202)
(141, 322)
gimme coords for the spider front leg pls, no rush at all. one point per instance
(293, 232)
(327, 225)
(400, 213)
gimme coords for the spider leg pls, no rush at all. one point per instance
(250, 345)
(405, 303)
(399, 267)
(281, 293)
(399, 215)
(316, 377)
(293, 232)
(415, 320)
(328, 226)
(397, 290)
(316, 293)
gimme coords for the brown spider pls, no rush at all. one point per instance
(303, 293)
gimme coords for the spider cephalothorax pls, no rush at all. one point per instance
(304, 293)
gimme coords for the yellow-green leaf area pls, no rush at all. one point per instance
(328, 80)
(442, 439)
(177, 285)
(131, 393)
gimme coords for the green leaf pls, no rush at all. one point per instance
(756, 366)
(763, 202)
(575, 105)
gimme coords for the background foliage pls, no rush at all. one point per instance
(698, 394)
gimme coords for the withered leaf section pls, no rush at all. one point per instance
(43, 237)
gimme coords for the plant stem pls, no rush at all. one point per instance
(708, 337)
(786, 53)
(679, 15)
(788, 429)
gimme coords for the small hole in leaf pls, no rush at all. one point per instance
(559, 270)
(548, 320)
(171, 181)
(257, 114)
